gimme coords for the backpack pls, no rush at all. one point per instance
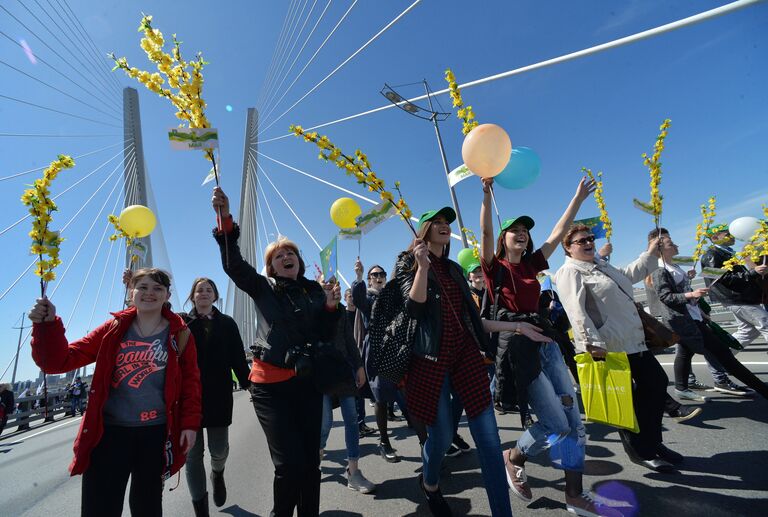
(391, 334)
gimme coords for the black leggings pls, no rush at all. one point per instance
(290, 412)
(123, 452)
(716, 352)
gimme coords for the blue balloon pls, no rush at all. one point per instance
(521, 171)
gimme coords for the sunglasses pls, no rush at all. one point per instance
(584, 240)
(378, 274)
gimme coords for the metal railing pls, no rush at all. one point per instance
(32, 410)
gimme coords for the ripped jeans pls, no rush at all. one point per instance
(559, 427)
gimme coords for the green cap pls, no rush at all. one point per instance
(717, 228)
(471, 267)
(523, 219)
(446, 211)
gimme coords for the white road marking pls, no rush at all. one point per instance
(702, 363)
(22, 437)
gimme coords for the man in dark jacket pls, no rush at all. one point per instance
(739, 290)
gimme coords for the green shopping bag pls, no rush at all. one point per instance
(606, 390)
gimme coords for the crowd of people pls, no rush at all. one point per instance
(481, 340)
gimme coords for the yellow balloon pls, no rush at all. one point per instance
(137, 220)
(343, 212)
(486, 150)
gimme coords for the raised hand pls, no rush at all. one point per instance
(220, 202)
(43, 310)
(585, 189)
(359, 269)
(421, 253)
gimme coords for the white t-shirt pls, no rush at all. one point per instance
(680, 277)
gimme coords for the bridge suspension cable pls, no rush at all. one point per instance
(691, 20)
(311, 59)
(280, 75)
(352, 56)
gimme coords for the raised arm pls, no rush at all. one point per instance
(50, 349)
(486, 223)
(241, 272)
(406, 280)
(644, 265)
(585, 188)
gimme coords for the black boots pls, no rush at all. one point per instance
(219, 488)
(201, 506)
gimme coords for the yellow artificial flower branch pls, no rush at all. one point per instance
(184, 79)
(472, 239)
(654, 167)
(708, 214)
(360, 168)
(755, 249)
(600, 200)
(464, 113)
(44, 241)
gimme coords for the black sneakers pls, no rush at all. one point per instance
(684, 413)
(388, 453)
(460, 444)
(732, 388)
(437, 504)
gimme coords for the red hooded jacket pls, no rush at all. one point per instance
(53, 354)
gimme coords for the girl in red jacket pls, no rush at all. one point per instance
(144, 403)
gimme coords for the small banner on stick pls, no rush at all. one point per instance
(375, 216)
(458, 174)
(193, 139)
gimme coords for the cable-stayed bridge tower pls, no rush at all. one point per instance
(239, 304)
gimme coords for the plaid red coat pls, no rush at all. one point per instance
(459, 354)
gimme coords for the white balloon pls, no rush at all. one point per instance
(744, 228)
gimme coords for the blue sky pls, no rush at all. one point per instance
(601, 111)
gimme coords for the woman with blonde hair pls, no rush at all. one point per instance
(294, 315)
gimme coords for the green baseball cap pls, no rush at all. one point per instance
(471, 267)
(523, 219)
(717, 228)
(446, 211)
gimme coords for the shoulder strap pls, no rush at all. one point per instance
(183, 339)
(496, 291)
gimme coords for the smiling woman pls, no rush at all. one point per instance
(144, 397)
(294, 316)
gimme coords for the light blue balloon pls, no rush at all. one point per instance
(521, 171)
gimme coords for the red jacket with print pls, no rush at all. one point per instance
(53, 354)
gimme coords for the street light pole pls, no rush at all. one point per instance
(445, 166)
(21, 328)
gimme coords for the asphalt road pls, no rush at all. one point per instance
(725, 472)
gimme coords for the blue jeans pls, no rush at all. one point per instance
(351, 428)
(486, 437)
(558, 427)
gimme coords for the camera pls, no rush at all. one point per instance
(298, 358)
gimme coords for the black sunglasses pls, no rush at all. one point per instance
(584, 240)
(378, 274)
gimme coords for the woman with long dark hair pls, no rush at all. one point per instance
(446, 363)
(219, 352)
(294, 315)
(541, 375)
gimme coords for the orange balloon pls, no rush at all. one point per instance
(486, 150)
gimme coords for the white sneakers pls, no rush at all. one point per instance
(358, 482)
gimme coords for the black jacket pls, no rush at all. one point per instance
(219, 353)
(292, 311)
(429, 313)
(6, 398)
(738, 287)
(667, 301)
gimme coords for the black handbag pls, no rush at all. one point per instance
(391, 334)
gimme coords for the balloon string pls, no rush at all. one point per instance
(495, 207)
